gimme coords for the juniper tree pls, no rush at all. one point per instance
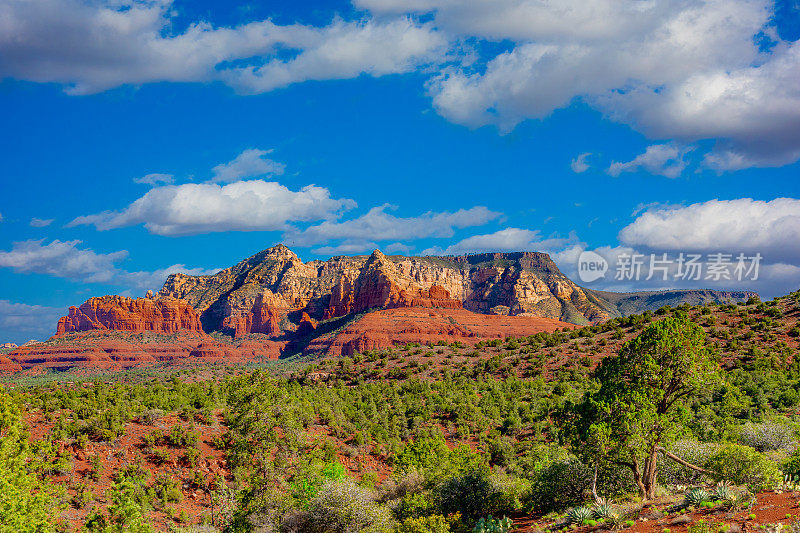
(637, 409)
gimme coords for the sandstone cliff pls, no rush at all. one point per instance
(275, 287)
(165, 315)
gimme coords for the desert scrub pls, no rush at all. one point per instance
(744, 466)
(768, 436)
(345, 507)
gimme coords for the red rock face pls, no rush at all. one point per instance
(307, 326)
(165, 315)
(376, 286)
(396, 327)
(261, 318)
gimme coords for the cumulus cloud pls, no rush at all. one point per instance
(346, 248)
(579, 164)
(92, 46)
(378, 225)
(62, 259)
(19, 322)
(155, 179)
(505, 240)
(251, 163)
(65, 259)
(40, 222)
(345, 50)
(660, 159)
(192, 208)
(743, 225)
(673, 70)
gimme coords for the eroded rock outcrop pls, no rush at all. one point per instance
(119, 313)
(380, 284)
(260, 317)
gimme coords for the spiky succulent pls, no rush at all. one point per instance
(696, 497)
(603, 510)
(723, 491)
(578, 515)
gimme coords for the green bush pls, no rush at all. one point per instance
(344, 507)
(307, 481)
(743, 465)
(26, 502)
(791, 467)
(468, 494)
(558, 484)
(426, 524)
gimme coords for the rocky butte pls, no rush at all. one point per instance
(273, 303)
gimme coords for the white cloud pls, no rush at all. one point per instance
(505, 240)
(378, 225)
(398, 248)
(684, 70)
(64, 259)
(40, 222)
(743, 225)
(19, 322)
(155, 179)
(346, 248)
(579, 164)
(92, 46)
(660, 159)
(251, 163)
(346, 50)
(189, 209)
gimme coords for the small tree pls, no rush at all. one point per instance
(636, 412)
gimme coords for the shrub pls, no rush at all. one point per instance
(558, 484)
(744, 466)
(768, 436)
(414, 505)
(344, 507)
(468, 494)
(698, 453)
(493, 525)
(150, 416)
(791, 467)
(306, 483)
(426, 524)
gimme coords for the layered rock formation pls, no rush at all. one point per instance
(118, 313)
(389, 328)
(272, 304)
(276, 287)
(107, 350)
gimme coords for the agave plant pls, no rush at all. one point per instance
(603, 510)
(723, 491)
(696, 497)
(579, 515)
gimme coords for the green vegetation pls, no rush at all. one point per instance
(681, 399)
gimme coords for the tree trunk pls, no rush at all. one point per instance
(637, 477)
(594, 485)
(651, 469)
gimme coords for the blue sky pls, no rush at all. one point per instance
(143, 138)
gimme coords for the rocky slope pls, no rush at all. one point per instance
(275, 287)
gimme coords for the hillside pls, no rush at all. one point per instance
(495, 403)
